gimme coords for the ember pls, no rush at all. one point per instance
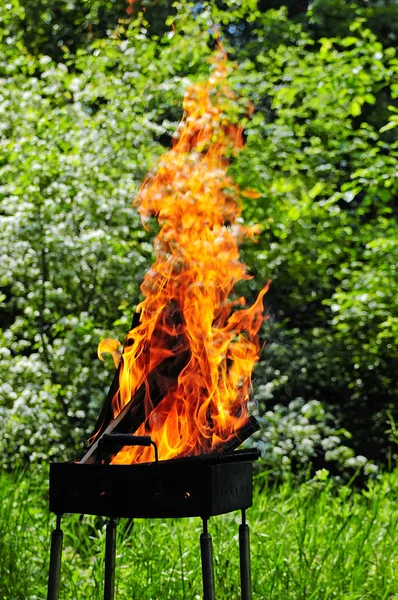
(188, 318)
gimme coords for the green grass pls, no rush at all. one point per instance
(315, 541)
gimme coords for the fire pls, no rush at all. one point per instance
(129, 9)
(188, 292)
(110, 346)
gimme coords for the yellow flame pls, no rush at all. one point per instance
(196, 268)
(110, 346)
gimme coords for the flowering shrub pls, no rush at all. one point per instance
(303, 433)
(79, 131)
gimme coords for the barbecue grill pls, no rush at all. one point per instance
(200, 486)
(184, 374)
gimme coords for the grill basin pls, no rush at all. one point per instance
(191, 487)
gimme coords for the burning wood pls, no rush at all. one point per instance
(160, 382)
(184, 376)
(240, 436)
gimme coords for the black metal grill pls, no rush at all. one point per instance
(202, 486)
(191, 487)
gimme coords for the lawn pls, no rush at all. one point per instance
(313, 541)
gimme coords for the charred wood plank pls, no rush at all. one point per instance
(240, 435)
(162, 380)
(106, 414)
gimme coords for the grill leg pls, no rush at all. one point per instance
(54, 573)
(110, 559)
(206, 551)
(244, 555)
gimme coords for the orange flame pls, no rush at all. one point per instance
(197, 266)
(110, 346)
(129, 9)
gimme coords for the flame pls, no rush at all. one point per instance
(110, 346)
(129, 9)
(187, 303)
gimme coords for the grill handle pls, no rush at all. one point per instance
(127, 439)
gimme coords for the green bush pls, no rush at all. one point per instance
(80, 133)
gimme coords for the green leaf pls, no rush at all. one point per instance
(293, 213)
(356, 108)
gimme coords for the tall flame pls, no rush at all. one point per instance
(196, 268)
(129, 9)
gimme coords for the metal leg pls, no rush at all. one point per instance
(110, 559)
(244, 555)
(54, 573)
(206, 551)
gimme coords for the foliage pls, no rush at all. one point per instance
(303, 434)
(313, 541)
(56, 27)
(76, 143)
(82, 125)
(24, 534)
(329, 226)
